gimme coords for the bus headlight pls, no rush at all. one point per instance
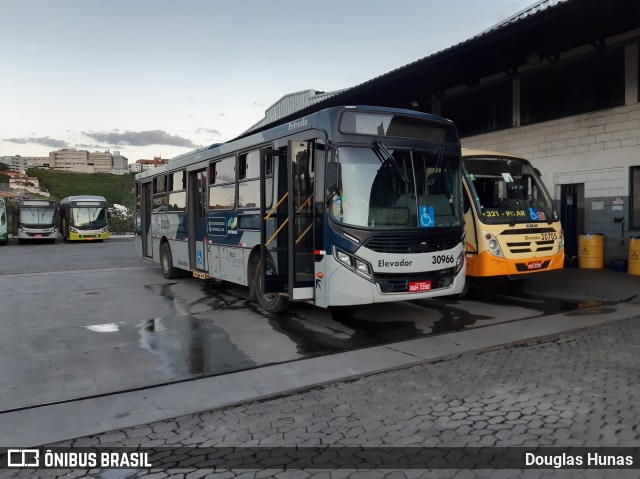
(459, 262)
(356, 265)
(493, 245)
(344, 258)
(363, 268)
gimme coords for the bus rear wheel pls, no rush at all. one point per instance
(271, 302)
(166, 262)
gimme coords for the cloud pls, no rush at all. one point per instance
(44, 140)
(140, 138)
(205, 131)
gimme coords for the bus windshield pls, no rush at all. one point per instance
(384, 188)
(508, 190)
(88, 217)
(34, 215)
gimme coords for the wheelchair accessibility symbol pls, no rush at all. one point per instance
(533, 214)
(199, 257)
(427, 217)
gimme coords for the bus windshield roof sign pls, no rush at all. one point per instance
(398, 126)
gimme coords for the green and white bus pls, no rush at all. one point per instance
(84, 218)
(4, 233)
(349, 205)
(37, 220)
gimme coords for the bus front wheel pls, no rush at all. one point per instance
(166, 261)
(271, 302)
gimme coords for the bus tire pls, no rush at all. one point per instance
(271, 302)
(166, 262)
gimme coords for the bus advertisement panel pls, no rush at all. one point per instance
(37, 220)
(512, 226)
(346, 206)
(84, 218)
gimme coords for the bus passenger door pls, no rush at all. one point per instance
(274, 211)
(197, 188)
(301, 232)
(145, 213)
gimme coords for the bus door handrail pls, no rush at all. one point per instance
(284, 223)
(304, 233)
(276, 206)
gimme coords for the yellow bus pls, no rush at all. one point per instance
(512, 227)
(84, 218)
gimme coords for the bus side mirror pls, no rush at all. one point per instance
(538, 172)
(332, 177)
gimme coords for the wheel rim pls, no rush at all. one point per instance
(268, 297)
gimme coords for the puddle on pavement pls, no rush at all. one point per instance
(186, 344)
(592, 311)
(506, 294)
(189, 343)
(104, 328)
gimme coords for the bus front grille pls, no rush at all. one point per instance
(399, 283)
(412, 245)
(526, 246)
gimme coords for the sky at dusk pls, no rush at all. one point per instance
(159, 78)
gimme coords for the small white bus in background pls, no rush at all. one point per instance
(37, 220)
(4, 223)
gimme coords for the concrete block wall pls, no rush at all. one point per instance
(595, 149)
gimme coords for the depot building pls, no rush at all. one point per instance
(557, 84)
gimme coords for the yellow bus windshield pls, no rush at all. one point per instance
(507, 190)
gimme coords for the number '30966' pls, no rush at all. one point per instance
(442, 259)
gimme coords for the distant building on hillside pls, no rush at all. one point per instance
(81, 161)
(144, 165)
(70, 159)
(15, 163)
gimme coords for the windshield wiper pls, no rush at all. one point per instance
(389, 157)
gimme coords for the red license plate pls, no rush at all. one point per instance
(418, 286)
(534, 265)
(90, 238)
(38, 236)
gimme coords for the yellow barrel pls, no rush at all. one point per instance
(591, 251)
(634, 255)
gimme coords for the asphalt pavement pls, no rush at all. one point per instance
(573, 384)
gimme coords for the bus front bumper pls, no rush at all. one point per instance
(88, 235)
(487, 265)
(347, 288)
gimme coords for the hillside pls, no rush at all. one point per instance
(115, 188)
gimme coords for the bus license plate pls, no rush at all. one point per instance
(38, 235)
(418, 286)
(534, 265)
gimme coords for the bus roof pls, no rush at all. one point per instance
(278, 131)
(468, 152)
(70, 199)
(33, 202)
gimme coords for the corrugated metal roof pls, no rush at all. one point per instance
(293, 102)
(537, 7)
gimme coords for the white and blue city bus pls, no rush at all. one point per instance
(346, 206)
